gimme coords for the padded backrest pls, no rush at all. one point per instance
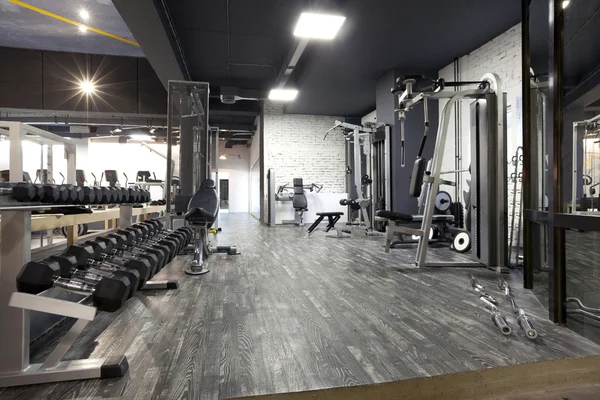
(416, 180)
(143, 176)
(299, 199)
(111, 177)
(206, 198)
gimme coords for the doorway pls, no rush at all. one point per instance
(224, 195)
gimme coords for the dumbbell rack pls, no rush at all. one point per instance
(15, 307)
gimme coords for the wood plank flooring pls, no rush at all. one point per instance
(294, 314)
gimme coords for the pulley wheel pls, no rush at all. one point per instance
(462, 242)
(443, 201)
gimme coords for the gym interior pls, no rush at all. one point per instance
(322, 199)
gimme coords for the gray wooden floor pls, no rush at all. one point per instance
(293, 314)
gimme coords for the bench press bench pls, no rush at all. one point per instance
(332, 218)
(401, 223)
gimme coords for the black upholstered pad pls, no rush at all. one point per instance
(204, 205)
(332, 214)
(394, 216)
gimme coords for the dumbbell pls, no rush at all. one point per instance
(74, 194)
(150, 231)
(124, 195)
(117, 195)
(101, 250)
(23, 191)
(85, 259)
(108, 294)
(129, 243)
(51, 194)
(157, 227)
(140, 238)
(69, 269)
(134, 195)
(89, 195)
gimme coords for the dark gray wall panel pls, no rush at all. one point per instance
(152, 95)
(116, 78)
(48, 80)
(20, 78)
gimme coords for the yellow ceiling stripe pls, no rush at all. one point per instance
(70, 21)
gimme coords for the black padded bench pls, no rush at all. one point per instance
(332, 217)
(400, 223)
(203, 209)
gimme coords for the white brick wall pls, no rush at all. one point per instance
(501, 55)
(295, 148)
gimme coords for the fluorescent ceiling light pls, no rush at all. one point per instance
(117, 130)
(141, 137)
(565, 3)
(84, 14)
(222, 157)
(82, 28)
(283, 94)
(87, 87)
(318, 26)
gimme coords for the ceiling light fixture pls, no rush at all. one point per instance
(87, 87)
(222, 157)
(82, 28)
(141, 137)
(283, 94)
(117, 130)
(152, 130)
(318, 26)
(565, 3)
(84, 14)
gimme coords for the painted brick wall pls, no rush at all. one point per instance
(295, 148)
(502, 56)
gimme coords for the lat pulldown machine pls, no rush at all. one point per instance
(487, 206)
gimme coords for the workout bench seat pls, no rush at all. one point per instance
(398, 222)
(332, 217)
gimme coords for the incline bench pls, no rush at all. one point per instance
(332, 217)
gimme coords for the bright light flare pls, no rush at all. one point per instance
(283, 94)
(318, 26)
(87, 87)
(222, 157)
(84, 14)
(140, 137)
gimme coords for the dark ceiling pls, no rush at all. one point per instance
(22, 27)
(245, 43)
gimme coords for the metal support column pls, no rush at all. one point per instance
(556, 234)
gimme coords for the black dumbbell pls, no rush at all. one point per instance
(141, 232)
(117, 195)
(134, 237)
(86, 255)
(182, 235)
(129, 243)
(185, 233)
(101, 249)
(69, 269)
(23, 191)
(89, 195)
(134, 195)
(51, 194)
(108, 294)
(124, 195)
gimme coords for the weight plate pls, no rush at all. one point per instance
(462, 242)
(443, 201)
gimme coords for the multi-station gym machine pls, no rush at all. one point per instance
(487, 210)
(368, 172)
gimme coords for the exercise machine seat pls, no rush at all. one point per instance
(299, 200)
(204, 205)
(333, 214)
(394, 216)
